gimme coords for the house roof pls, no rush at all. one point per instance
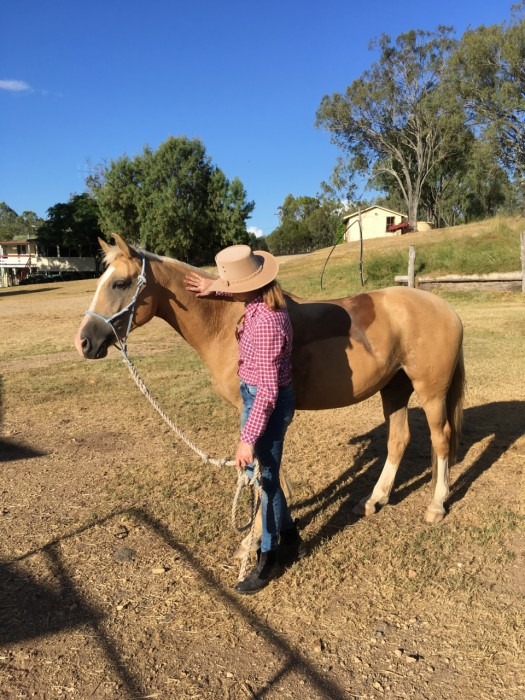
(374, 206)
(21, 239)
(17, 241)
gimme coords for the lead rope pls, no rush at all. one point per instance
(243, 480)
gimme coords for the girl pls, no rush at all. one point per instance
(264, 337)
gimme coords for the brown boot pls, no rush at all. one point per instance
(266, 569)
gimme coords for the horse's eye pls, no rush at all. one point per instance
(121, 284)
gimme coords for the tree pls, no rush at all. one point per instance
(306, 224)
(13, 225)
(470, 189)
(114, 188)
(394, 120)
(173, 201)
(488, 74)
(73, 226)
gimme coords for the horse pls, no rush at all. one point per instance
(394, 341)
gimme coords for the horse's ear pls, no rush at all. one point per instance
(124, 247)
(104, 245)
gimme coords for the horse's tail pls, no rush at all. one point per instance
(454, 408)
(455, 398)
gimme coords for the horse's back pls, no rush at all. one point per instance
(347, 349)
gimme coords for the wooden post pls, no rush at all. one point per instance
(411, 266)
(522, 250)
(361, 268)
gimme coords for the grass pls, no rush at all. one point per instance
(444, 591)
(489, 246)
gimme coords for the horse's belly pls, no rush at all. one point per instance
(331, 374)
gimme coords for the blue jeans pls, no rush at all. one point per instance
(269, 450)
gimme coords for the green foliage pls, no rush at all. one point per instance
(307, 224)
(487, 73)
(380, 269)
(393, 120)
(260, 243)
(173, 201)
(14, 226)
(73, 226)
(437, 125)
(489, 253)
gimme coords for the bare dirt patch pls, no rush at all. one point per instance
(116, 576)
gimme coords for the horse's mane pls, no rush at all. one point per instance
(115, 252)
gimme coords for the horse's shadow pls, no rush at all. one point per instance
(503, 421)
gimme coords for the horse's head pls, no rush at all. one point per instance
(121, 302)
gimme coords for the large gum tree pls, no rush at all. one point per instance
(488, 74)
(395, 119)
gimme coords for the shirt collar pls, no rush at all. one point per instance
(252, 306)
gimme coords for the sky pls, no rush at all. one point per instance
(82, 83)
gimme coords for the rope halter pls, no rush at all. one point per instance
(121, 343)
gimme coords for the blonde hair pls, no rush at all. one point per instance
(273, 296)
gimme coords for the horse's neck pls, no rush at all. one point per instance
(203, 323)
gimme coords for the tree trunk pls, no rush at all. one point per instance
(412, 213)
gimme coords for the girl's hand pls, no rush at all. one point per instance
(197, 284)
(244, 455)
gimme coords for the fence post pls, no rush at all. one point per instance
(411, 266)
(522, 250)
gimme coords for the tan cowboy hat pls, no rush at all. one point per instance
(243, 270)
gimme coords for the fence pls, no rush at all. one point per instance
(492, 280)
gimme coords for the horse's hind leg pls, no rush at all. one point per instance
(395, 396)
(440, 431)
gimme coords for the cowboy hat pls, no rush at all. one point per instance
(243, 270)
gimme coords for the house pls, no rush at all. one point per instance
(376, 222)
(20, 258)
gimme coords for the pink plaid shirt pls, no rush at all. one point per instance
(265, 347)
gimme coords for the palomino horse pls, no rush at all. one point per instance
(394, 341)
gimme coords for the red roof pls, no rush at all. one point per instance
(398, 227)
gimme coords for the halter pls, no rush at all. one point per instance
(122, 342)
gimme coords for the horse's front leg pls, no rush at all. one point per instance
(395, 397)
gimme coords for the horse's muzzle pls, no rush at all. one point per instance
(89, 352)
(92, 341)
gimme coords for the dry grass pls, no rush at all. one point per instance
(98, 499)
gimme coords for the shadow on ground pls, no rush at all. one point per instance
(503, 422)
(11, 450)
(16, 291)
(29, 609)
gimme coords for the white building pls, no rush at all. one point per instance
(20, 258)
(375, 223)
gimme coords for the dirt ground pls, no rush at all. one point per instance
(116, 575)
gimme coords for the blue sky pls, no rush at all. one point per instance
(84, 83)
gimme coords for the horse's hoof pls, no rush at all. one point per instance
(365, 507)
(433, 517)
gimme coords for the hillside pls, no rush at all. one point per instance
(487, 246)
